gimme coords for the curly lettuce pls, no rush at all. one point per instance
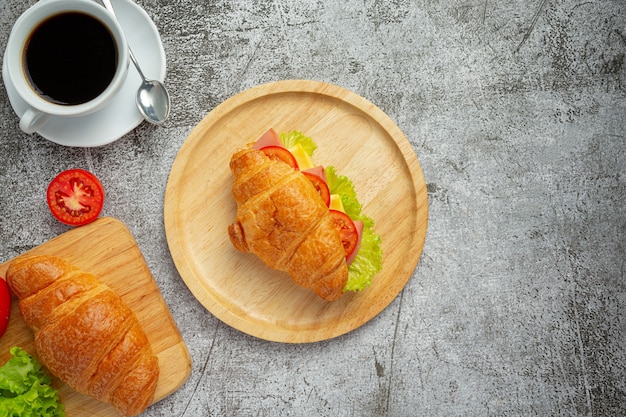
(369, 259)
(294, 138)
(25, 389)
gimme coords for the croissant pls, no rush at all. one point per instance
(84, 333)
(281, 219)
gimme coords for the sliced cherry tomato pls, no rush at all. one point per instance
(320, 186)
(75, 197)
(278, 153)
(347, 230)
(359, 230)
(5, 306)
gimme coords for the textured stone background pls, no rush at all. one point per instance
(516, 111)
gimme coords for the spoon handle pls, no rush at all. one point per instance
(109, 7)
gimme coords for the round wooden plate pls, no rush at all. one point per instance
(353, 135)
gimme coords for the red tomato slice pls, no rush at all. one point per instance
(278, 153)
(75, 197)
(320, 186)
(359, 230)
(347, 230)
(5, 306)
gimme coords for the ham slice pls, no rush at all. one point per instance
(318, 171)
(269, 138)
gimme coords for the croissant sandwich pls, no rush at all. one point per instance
(84, 333)
(285, 216)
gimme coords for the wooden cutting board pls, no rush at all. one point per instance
(107, 249)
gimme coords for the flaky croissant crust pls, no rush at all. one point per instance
(84, 333)
(281, 219)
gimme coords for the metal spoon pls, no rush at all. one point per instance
(153, 100)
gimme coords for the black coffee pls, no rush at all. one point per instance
(70, 58)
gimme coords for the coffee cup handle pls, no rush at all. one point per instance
(32, 120)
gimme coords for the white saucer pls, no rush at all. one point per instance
(121, 115)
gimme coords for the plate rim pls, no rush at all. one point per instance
(222, 312)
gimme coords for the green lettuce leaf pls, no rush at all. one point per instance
(340, 184)
(369, 259)
(294, 138)
(25, 388)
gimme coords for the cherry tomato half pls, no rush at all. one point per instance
(5, 306)
(347, 230)
(75, 197)
(278, 153)
(320, 186)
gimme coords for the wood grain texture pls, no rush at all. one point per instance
(353, 135)
(106, 249)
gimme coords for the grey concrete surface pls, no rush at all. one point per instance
(516, 111)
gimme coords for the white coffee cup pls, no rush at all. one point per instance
(41, 108)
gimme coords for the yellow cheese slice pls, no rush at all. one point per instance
(335, 203)
(303, 160)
